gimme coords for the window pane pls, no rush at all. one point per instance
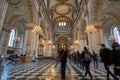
(59, 24)
(64, 23)
(116, 35)
(11, 38)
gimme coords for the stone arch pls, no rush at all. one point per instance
(62, 40)
(110, 20)
(12, 20)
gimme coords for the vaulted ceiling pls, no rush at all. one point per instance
(63, 13)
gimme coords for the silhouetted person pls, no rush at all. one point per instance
(104, 54)
(116, 57)
(87, 60)
(95, 59)
(63, 58)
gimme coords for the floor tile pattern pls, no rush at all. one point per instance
(48, 70)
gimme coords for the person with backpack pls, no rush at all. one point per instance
(87, 60)
(104, 54)
(63, 59)
(116, 57)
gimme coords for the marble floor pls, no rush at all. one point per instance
(48, 70)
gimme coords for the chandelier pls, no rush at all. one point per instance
(111, 38)
(37, 29)
(90, 29)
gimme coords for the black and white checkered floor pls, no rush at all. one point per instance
(48, 70)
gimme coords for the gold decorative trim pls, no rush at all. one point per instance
(62, 19)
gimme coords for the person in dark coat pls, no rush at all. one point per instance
(104, 54)
(87, 60)
(63, 62)
(116, 57)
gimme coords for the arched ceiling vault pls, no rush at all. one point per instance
(62, 12)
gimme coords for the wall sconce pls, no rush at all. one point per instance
(49, 42)
(111, 38)
(72, 47)
(76, 42)
(53, 47)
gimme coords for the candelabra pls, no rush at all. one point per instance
(90, 29)
(37, 29)
(16, 40)
(111, 38)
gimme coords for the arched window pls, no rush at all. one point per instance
(116, 34)
(11, 38)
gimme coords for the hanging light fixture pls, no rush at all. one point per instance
(37, 29)
(90, 29)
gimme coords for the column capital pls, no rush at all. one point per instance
(29, 26)
(97, 24)
(98, 27)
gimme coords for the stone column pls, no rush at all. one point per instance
(90, 41)
(107, 41)
(82, 44)
(98, 38)
(4, 41)
(29, 40)
(3, 10)
(49, 50)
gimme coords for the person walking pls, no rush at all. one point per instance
(63, 59)
(104, 54)
(87, 60)
(116, 58)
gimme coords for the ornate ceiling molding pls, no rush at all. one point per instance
(62, 19)
(62, 40)
(62, 9)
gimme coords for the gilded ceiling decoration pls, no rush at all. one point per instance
(62, 9)
(62, 19)
(62, 40)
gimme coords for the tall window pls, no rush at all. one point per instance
(11, 38)
(116, 34)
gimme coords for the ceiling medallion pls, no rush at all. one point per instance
(62, 9)
(13, 2)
